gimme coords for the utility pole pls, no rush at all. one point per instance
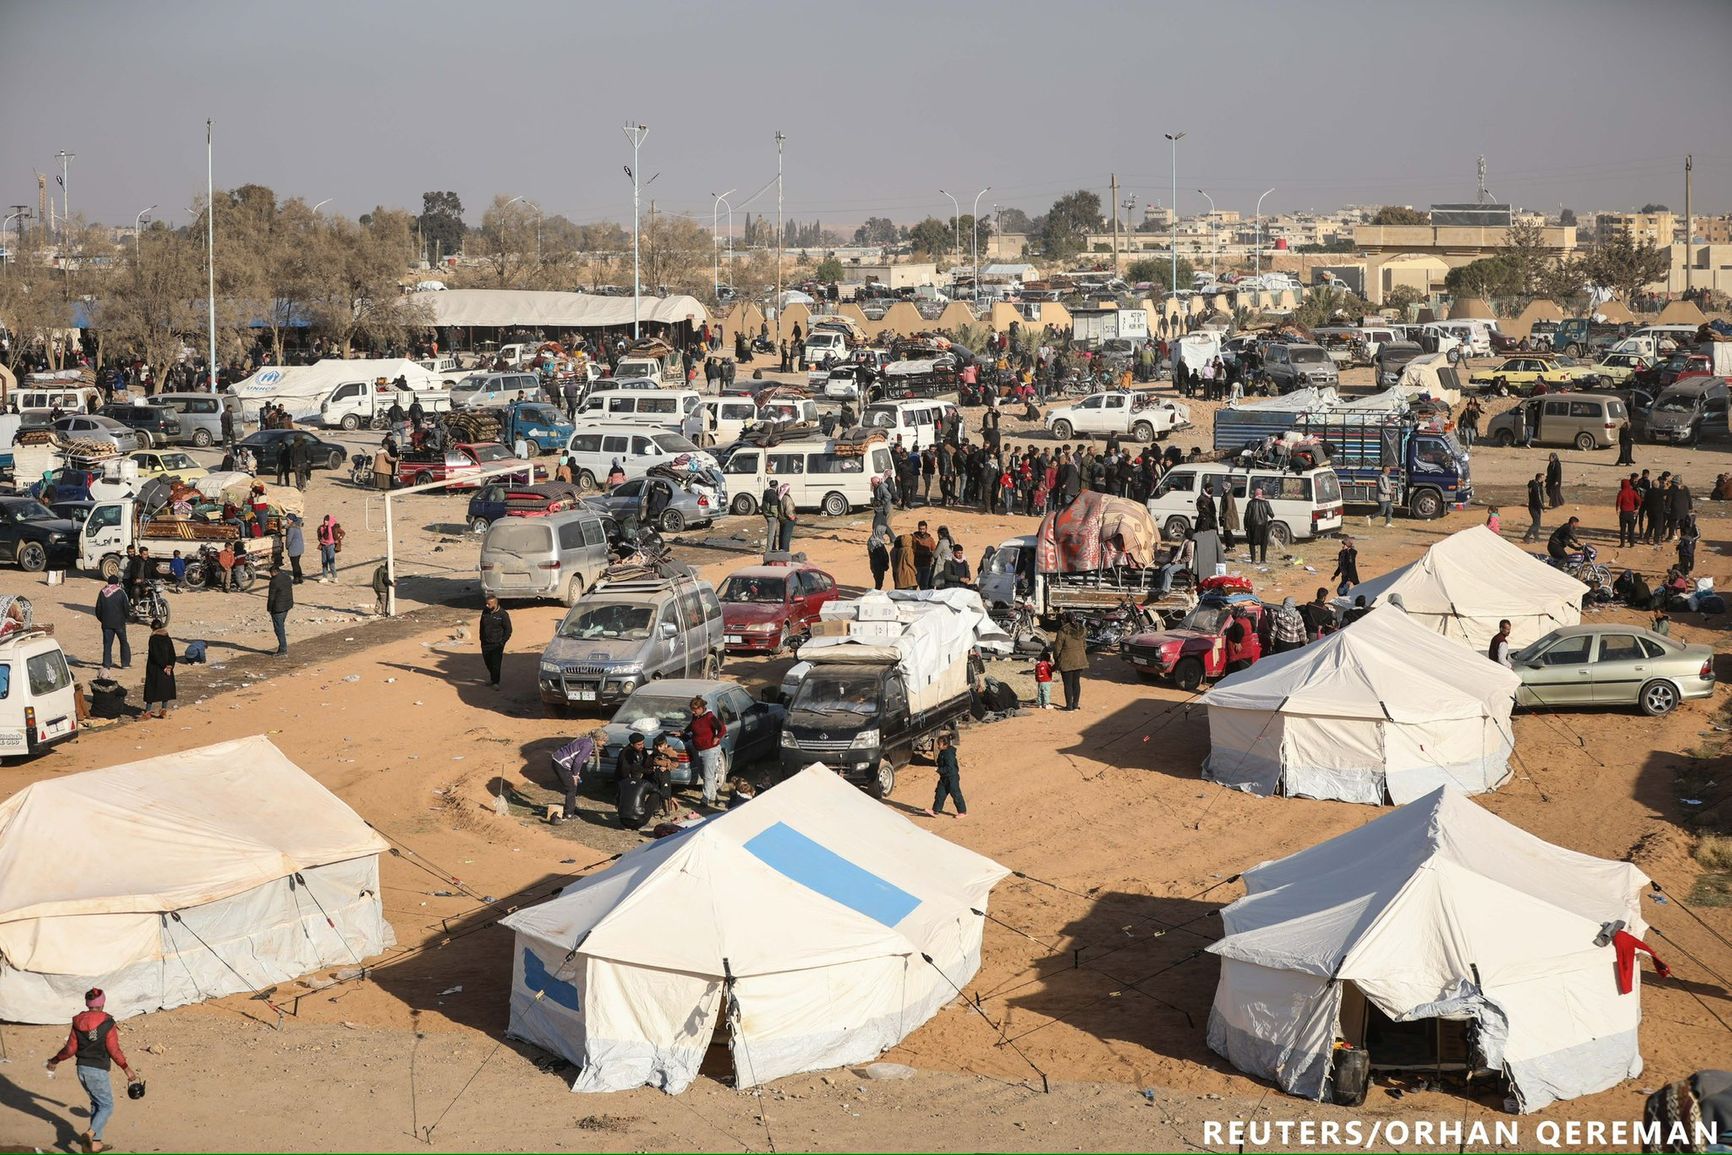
(1115, 188)
(22, 212)
(956, 217)
(65, 159)
(636, 133)
(210, 249)
(1689, 224)
(1482, 194)
(1173, 244)
(780, 137)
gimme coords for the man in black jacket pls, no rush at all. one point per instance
(494, 632)
(279, 600)
(113, 608)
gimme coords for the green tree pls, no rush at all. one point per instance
(1487, 277)
(1567, 217)
(441, 224)
(1400, 215)
(1159, 271)
(876, 231)
(1566, 281)
(1624, 266)
(829, 270)
(1015, 222)
(1528, 256)
(1323, 304)
(932, 236)
(1069, 221)
(1403, 297)
(1654, 208)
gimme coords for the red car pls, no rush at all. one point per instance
(768, 607)
(1195, 647)
(462, 460)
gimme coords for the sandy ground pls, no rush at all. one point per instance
(1092, 966)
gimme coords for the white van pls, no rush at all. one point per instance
(667, 408)
(66, 398)
(492, 390)
(38, 707)
(1473, 336)
(823, 343)
(915, 422)
(725, 418)
(668, 370)
(1659, 341)
(1305, 504)
(817, 476)
(593, 449)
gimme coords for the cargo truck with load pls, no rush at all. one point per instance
(1092, 328)
(1427, 464)
(885, 674)
(362, 404)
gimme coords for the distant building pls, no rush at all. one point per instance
(891, 276)
(1712, 230)
(1710, 268)
(1639, 228)
(1453, 244)
(1472, 216)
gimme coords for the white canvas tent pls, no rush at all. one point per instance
(1438, 910)
(1465, 583)
(174, 879)
(553, 309)
(1384, 706)
(1425, 374)
(300, 388)
(799, 919)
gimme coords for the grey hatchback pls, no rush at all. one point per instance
(664, 707)
(685, 507)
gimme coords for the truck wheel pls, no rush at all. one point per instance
(673, 521)
(1188, 674)
(1062, 429)
(1143, 432)
(573, 590)
(478, 525)
(586, 481)
(1573, 349)
(201, 438)
(835, 505)
(1176, 528)
(1585, 442)
(883, 781)
(1504, 439)
(1280, 534)
(532, 448)
(1426, 504)
(351, 423)
(32, 558)
(742, 505)
(109, 567)
(1500, 387)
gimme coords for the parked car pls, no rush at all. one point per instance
(1623, 368)
(168, 463)
(34, 538)
(38, 704)
(1586, 420)
(558, 556)
(753, 727)
(1521, 374)
(1135, 415)
(625, 632)
(95, 427)
(74, 511)
(766, 608)
(496, 500)
(200, 415)
(1295, 366)
(1612, 664)
(266, 444)
(1194, 648)
(1684, 412)
(685, 507)
(154, 424)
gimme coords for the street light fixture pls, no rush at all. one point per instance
(637, 134)
(1214, 245)
(974, 223)
(1175, 138)
(1258, 266)
(137, 223)
(716, 243)
(956, 215)
(22, 214)
(210, 247)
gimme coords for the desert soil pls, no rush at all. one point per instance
(1093, 964)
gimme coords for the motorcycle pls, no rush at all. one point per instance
(149, 604)
(204, 571)
(361, 469)
(1110, 629)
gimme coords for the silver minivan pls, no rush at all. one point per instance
(558, 556)
(624, 633)
(201, 416)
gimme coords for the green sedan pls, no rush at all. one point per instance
(1612, 665)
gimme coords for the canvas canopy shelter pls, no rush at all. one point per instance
(1681, 312)
(300, 388)
(1462, 586)
(1436, 911)
(928, 633)
(227, 856)
(798, 920)
(1431, 375)
(1384, 707)
(550, 309)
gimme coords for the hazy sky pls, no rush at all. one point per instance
(1588, 103)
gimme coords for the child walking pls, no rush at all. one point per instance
(1043, 680)
(949, 780)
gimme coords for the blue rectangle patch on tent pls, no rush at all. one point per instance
(794, 856)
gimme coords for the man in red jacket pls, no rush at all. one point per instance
(1629, 501)
(705, 732)
(95, 1040)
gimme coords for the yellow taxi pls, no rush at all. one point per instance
(168, 463)
(1520, 374)
(1618, 368)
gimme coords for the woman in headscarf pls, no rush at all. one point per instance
(159, 672)
(1554, 481)
(905, 576)
(1229, 515)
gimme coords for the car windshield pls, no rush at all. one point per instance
(176, 461)
(1303, 356)
(488, 453)
(643, 706)
(1004, 561)
(469, 385)
(754, 589)
(539, 413)
(608, 620)
(1676, 402)
(29, 511)
(828, 694)
(1208, 619)
(673, 443)
(881, 418)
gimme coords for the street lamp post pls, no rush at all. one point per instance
(137, 223)
(21, 213)
(955, 215)
(781, 233)
(716, 242)
(65, 159)
(210, 247)
(1214, 246)
(1258, 266)
(637, 134)
(974, 223)
(1175, 138)
(322, 204)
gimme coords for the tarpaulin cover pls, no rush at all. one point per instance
(934, 632)
(549, 309)
(1096, 532)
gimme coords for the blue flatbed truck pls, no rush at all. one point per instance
(1429, 465)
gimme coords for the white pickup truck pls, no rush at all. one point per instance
(1131, 413)
(363, 404)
